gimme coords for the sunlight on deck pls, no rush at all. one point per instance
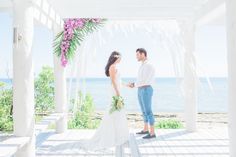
(207, 142)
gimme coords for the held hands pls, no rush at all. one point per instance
(131, 85)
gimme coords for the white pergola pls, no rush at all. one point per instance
(50, 13)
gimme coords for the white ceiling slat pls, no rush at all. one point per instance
(124, 8)
(212, 12)
(5, 5)
(129, 9)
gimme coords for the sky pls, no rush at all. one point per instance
(210, 51)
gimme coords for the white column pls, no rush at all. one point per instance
(119, 151)
(231, 40)
(60, 93)
(23, 78)
(190, 76)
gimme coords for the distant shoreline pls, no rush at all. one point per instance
(168, 93)
(207, 120)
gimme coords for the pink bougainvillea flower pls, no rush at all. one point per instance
(96, 20)
(69, 26)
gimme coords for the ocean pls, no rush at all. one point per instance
(167, 96)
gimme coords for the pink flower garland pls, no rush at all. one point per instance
(69, 26)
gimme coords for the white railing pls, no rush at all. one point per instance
(13, 144)
(10, 146)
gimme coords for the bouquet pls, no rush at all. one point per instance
(117, 104)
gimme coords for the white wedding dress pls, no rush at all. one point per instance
(113, 130)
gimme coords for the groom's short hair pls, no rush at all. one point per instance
(142, 50)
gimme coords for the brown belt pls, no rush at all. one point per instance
(145, 86)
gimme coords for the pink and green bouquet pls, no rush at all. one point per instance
(117, 104)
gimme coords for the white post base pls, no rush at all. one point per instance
(61, 125)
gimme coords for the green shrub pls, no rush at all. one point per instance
(44, 91)
(6, 104)
(44, 98)
(84, 117)
(169, 124)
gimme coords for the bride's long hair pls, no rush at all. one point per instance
(112, 59)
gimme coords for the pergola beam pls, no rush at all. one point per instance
(209, 12)
(44, 13)
(140, 9)
(5, 5)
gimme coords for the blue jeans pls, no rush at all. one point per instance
(145, 101)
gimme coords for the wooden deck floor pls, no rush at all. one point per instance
(169, 143)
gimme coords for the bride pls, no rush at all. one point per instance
(113, 130)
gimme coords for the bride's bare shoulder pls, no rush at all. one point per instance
(113, 68)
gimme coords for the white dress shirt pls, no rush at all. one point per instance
(146, 74)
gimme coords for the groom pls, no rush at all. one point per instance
(146, 75)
